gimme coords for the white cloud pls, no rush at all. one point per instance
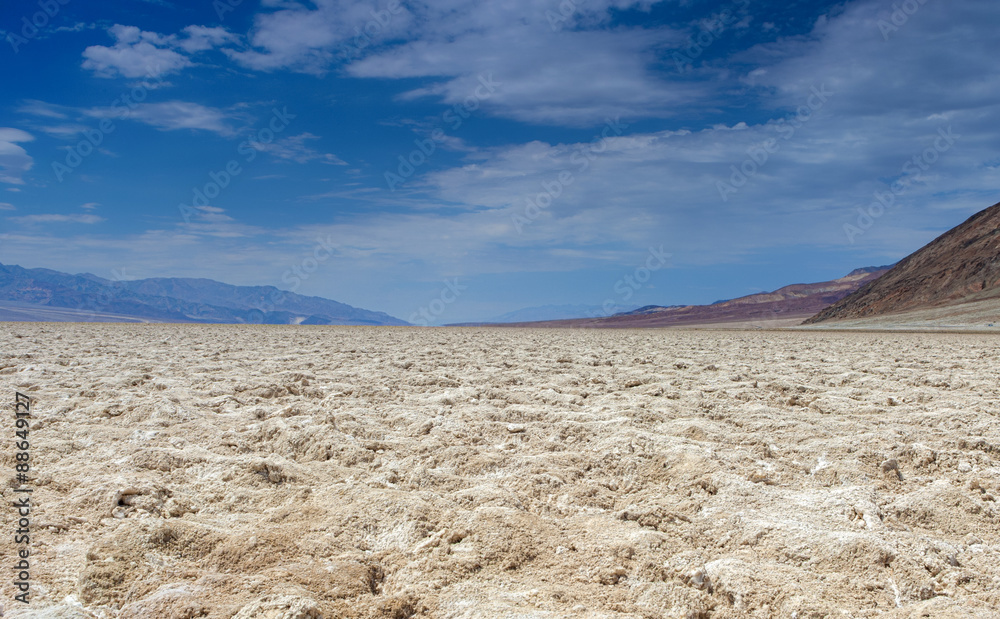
(14, 160)
(166, 115)
(64, 130)
(586, 77)
(173, 115)
(50, 218)
(78, 27)
(294, 148)
(134, 54)
(7, 206)
(587, 73)
(939, 60)
(202, 38)
(310, 39)
(35, 107)
(138, 53)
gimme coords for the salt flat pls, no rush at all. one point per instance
(300, 472)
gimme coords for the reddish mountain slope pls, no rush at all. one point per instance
(960, 266)
(795, 301)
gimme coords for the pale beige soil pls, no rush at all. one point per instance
(302, 472)
(971, 316)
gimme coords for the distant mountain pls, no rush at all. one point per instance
(559, 312)
(653, 309)
(791, 303)
(960, 266)
(170, 300)
(866, 270)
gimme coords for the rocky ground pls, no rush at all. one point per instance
(301, 472)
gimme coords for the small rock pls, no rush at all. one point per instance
(964, 467)
(515, 428)
(890, 468)
(927, 591)
(698, 579)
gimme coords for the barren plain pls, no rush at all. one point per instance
(185, 471)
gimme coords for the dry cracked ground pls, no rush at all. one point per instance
(303, 472)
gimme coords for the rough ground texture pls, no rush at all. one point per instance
(293, 472)
(960, 266)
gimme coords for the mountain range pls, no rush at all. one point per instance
(955, 278)
(956, 273)
(43, 294)
(783, 307)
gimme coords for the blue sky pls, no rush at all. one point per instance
(475, 158)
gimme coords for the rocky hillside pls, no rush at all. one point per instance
(960, 266)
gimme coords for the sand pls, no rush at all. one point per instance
(303, 472)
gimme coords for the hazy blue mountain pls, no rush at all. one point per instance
(173, 300)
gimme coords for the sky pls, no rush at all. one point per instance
(465, 159)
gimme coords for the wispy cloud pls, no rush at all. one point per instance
(54, 218)
(173, 115)
(78, 27)
(294, 148)
(34, 107)
(166, 115)
(14, 160)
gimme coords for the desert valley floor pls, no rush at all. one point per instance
(300, 472)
